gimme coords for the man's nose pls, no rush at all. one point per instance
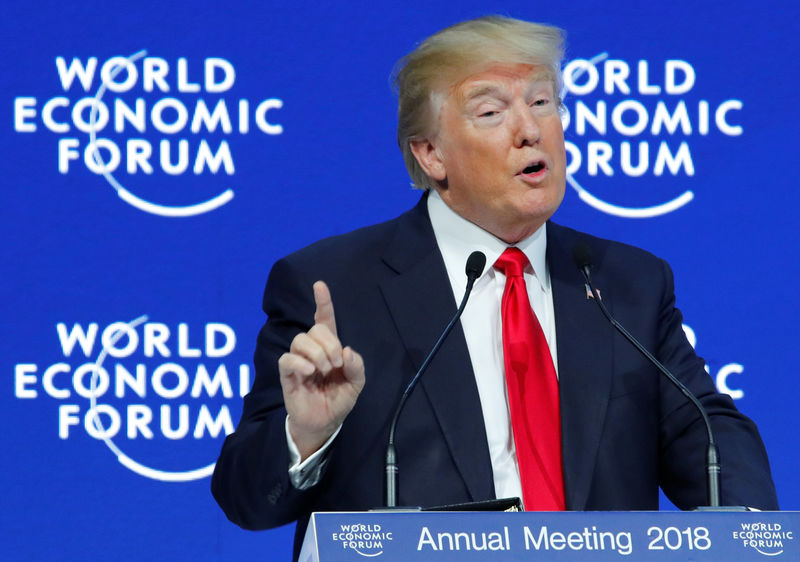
(527, 132)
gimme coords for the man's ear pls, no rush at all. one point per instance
(429, 158)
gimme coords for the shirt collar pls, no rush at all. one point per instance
(458, 238)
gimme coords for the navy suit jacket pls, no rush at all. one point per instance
(625, 429)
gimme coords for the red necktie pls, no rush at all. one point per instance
(532, 392)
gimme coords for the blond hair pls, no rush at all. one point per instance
(454, 53)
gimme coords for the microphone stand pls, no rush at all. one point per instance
(583, 261)
(474, 268)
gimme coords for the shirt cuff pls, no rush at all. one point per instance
(305, 474)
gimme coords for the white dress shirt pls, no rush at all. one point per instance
(457, 238)
(482, 323)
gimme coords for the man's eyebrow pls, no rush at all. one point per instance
(492, 90)
(482, 90)
(542, 76)
(540, 80)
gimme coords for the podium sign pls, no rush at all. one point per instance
(486, 536)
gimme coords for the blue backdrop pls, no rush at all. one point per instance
(231, 135)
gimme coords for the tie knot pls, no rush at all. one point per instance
(512, 262)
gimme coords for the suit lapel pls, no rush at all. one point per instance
(585, 358)
(419, 298)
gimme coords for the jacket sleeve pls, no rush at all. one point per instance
(251, 479)
(745, 473)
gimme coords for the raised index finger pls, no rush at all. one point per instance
(324, 313)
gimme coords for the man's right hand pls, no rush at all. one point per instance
(320, 380)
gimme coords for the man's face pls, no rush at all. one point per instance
(499, 152)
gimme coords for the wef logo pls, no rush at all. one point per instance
(638, 121)
(159, 396)
(368, 540)
(153, 120)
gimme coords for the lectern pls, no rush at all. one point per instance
(585, 536)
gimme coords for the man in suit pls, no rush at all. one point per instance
(480, 129)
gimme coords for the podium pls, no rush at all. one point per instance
(585, 536)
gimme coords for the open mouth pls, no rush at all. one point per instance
(533, 168)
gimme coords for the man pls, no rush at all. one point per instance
(479, 127)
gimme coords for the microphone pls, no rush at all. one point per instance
(582, 256)
(475, 264)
